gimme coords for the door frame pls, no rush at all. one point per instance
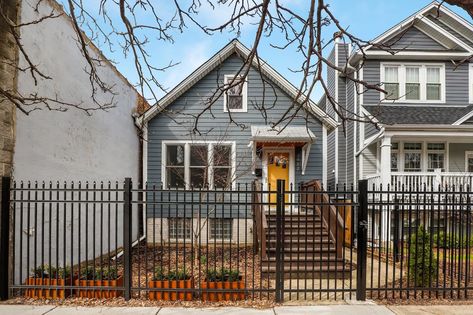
(292, 164)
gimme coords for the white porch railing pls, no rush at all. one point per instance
(429, 179)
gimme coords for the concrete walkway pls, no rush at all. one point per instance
(282, 310)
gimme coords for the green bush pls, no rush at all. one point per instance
(449, 241)
(87, 273)
(106, 273)
(422, 261)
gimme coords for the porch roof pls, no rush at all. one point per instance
(287, 134)
(416, 115)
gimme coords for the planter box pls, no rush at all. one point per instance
(223, 285)
(171, 295)
(53, 293)
(98, 293)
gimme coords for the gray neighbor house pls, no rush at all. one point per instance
(420, 132)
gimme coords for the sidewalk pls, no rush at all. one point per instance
(281, 310)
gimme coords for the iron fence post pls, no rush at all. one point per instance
(5, 238)
(396, 244)
(127, 226)
(362, 231)
(280, 241)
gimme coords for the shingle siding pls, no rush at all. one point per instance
(176, 123)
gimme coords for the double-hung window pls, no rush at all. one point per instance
(412, 157)
(198, 164)
(412, 82)
(435, 156)
(235, 94)
(395, 157)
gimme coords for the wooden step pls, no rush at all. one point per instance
(294, 249)
(337, 271)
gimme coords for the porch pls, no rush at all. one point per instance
(433, 181)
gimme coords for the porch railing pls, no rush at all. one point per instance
(431, 180)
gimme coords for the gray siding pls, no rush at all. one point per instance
(456, 83)
(456, 157)
(414, 39)
(369, 159)
(350, 144)
(342, 101)
(331, 77)
(172, 126)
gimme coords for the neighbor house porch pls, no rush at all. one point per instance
(406, 159)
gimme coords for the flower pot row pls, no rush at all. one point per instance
(100, 281)
(217, 286)
(224, 280)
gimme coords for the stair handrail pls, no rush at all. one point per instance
(259, 218)
(327, 212)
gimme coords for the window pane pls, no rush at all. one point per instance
(394, 145)
(393, 91)
(391, 74)
(179, 228)
(433, 92)
(175, 177)
(412, 75)
(222, 177)
(433, 75)
(175, 155)
(198, 177)
(412, 91)
(412, 146)
(470, 164)
(199, 155)
(394, 167)
(435, 161)
(234, 101)
(436, 146)
(412, 162)
(221, 229)
(222, 155)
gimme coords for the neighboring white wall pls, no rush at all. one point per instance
(71, 146)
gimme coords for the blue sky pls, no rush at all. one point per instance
(364, 18)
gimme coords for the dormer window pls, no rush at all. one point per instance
(236, 96)
(413, 83)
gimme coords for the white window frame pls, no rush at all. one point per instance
(397, 153)
(467, 154)
(244, 93)
(176, 237)
(444, 151)
(215, 239)
(422, 78)
(424, 155)
(187, 145)
(416, 151)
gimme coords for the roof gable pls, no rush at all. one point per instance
(437, 23)
(414, 39)
(234, 47)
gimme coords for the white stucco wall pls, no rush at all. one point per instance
(70, 146)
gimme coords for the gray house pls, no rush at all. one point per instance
(234, 142)
(422, 131)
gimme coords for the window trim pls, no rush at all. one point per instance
(429, 151)
(422, 78)
(424, 155)
(467, 153)
(177, 238)
(244, 94)
(187, 145)
(215, 239)
(470, 83)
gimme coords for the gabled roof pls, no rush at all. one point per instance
(237, 47)
(438, 22)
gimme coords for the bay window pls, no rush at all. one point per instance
(412, 82)
(198, 164)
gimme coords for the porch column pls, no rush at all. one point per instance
(385, 181)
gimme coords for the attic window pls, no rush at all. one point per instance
(235, 97)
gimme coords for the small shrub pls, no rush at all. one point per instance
(47, 271)
(106, 273)
(450, 241)
(159, 274)
(422, 261)
(223, 274)
(178, 275)
(87, 273)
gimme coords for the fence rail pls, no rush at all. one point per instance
(105, 240)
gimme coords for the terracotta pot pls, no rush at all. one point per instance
(171, 295)
(53, 293)
(98, 293)
(222, 285)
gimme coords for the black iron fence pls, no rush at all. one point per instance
(105, 240)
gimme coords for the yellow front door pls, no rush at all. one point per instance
(278, 168)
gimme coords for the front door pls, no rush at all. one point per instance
(278, 168)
